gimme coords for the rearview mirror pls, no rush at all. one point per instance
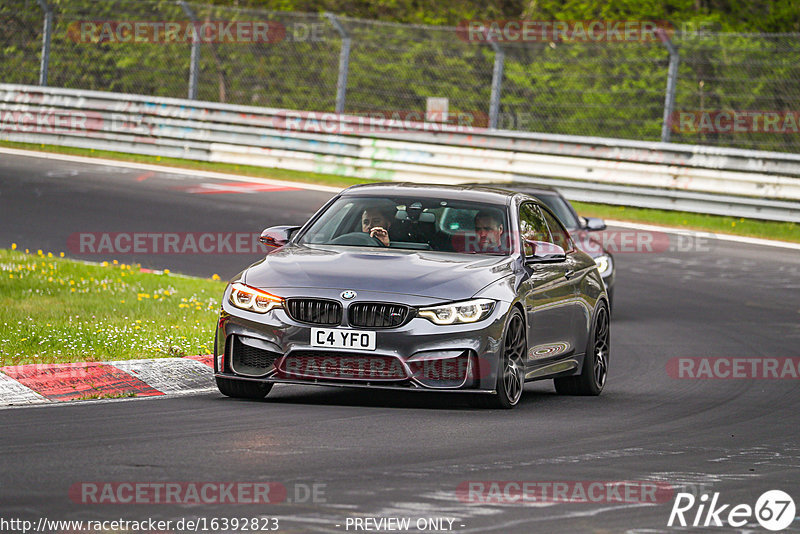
(277, 236)
(543, 252)
(594, 224)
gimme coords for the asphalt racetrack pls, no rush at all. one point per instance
(391, 455)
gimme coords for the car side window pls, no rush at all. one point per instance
(532, 226)
(560, 235)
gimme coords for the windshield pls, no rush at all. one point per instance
(561, 209)
(443, 225)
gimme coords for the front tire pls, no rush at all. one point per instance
(242, 389)
(592, 379)
(511, 371)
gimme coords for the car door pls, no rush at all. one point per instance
(574, 270)
(548, 295)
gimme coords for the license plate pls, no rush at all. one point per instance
(342, 339)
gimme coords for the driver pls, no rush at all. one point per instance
(489, 231)
(376, 222)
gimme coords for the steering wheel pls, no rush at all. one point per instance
(357, 238)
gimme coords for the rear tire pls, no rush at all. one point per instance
(595, 363)
(511, 371)
(242, 389)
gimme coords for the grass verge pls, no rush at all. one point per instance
(783, 231)
(55, 310)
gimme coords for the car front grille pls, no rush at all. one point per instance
(340, 366)
(251, 361)
(377, 315)
(315, 311)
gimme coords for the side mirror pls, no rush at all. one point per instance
(277, 236)
(543, 252)
(594, 224)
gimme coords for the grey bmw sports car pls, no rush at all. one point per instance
(418, 288)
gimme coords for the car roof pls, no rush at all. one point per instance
(526, 188)
(474, 192)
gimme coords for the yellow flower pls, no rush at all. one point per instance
(61, 254)
(104, 264)
(49, 254)
(27, 251)
(13, 246)
(166, 271)
(215, 276)
(39, 252)
(72, 290)
(115, 262)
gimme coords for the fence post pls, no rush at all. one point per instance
(44, 67)
(344, 62)
(672, 82)
(194, 60)
(497, 82)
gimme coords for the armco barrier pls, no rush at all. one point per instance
(659, 175)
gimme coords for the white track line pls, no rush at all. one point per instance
(165, 169)
(330, 189)
(705, 234)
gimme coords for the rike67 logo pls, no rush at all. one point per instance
(774, 510)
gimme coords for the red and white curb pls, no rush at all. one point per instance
(47, 383)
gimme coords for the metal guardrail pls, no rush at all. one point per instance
(669, 176)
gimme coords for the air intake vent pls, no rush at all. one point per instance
(251, 361)
(340, 366)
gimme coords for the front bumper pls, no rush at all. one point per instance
(417, 355)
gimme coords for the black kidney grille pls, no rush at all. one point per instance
(315, 311)
(251, 360)
(377, 315)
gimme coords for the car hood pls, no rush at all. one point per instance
(429, 274)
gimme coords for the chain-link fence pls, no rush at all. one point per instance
(738, 90)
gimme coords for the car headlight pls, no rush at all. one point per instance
(604, 263)
(252, 299)
(469, 311)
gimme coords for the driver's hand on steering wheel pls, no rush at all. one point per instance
(380, 234)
